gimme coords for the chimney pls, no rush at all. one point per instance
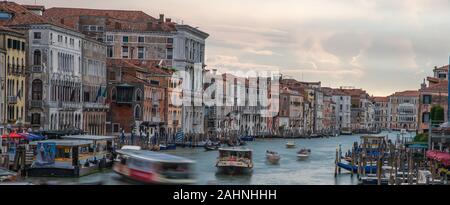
(161, 18)
(168, 20)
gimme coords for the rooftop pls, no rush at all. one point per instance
(407, 93)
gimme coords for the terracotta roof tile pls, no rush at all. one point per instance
(115, 19)
(408, 93)
(441, 86)
(23, 16)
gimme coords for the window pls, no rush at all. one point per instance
(141, 52)
(109, 51)
(35, 119)
(72, 42)
(37, 57)
(36, 90)
(124, 51)
(85, 28)
(37, 35)
(60, 38)
(23, 46)
(442, 75)
(109, 38)
(170, 40)
(141, 39)
(170, 53)
(116, 127)
(138, 95)
(9, 43)
(125, 39)
(93, 28)
(427, 99)
(100, 28)
(137, 112)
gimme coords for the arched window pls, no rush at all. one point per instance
(113, 94)
(36, 90)
(137, 112)
(37, 56)
(138, 95)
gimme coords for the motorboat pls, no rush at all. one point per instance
(290, 145)
(303, 154)
(235, 161)
(273, 157)
(154, 167)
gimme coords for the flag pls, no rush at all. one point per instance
(179, 137)
(99, 93)
(18, 93)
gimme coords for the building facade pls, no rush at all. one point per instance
(14, 43)
(342, 111)
(381, 105)
(94, 87)
(404, 110)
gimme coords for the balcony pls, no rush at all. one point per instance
(156, 119)
(175, 122)
(36, 69)
(69, 105)
(36, 104)
(12, 99)
(91, 105)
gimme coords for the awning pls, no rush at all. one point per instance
(13, 135)
(442, 157)
(32, 137)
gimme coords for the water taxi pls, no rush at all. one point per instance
(153, 167)
(290, 145)
(65, 158)
(273, 157)
(235, 161)
(303, 154)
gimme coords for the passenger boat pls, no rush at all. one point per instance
(346, 131)
(153, 167)
(235, 161)
(273, 157)
(248, 138)
(303, 154)
(66, 158)
(290, 145)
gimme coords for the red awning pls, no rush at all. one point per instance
(439, 156)
(13, 135)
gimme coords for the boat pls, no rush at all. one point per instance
(303, 154)
(210, 146)
(346, 131)
(290, 145)
(248, 138)
(354, 168)
(7, 176)
(67, 158)
(168, 147)
(272, 157)
(235, 161)
(153, 167)
(131, 147)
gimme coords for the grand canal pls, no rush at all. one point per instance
(318, 170)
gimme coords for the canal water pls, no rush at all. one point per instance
(317, 170)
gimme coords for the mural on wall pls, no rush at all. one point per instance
(45, 153)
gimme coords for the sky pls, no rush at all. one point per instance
(381, 46)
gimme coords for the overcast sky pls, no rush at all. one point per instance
(382, 46)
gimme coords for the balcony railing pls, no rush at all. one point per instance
(36, 104)
(36, 69)
(12, 99)
(95, 105)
